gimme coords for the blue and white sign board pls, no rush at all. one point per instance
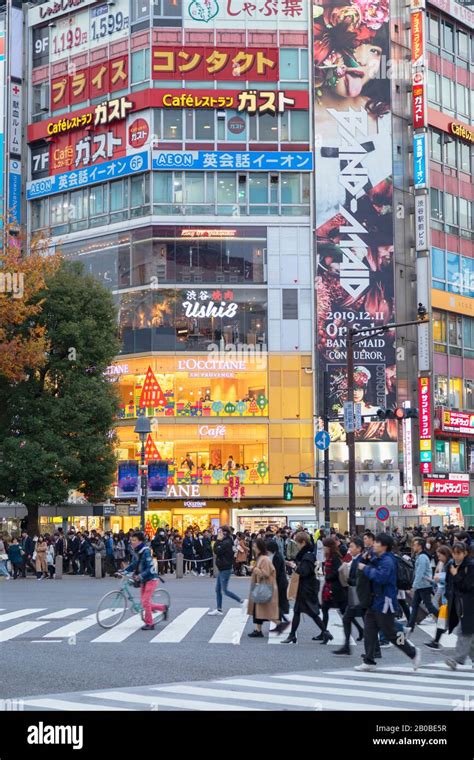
(349, 416)
(303, 478)
(419, 160)
(322, 440)
(215, 160)
(14, 192)
(358, 416)
(108, 170)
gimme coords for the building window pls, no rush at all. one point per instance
(438, 265)
(140, 12)
(455, 334)
(451, 211)
(468, 338)
(458, 456)
(469, 394)
(455, 392)
(436, 198)
(434, 87)
(463, 44)
(442, 456)
(462, 100)
(140, 66)
(448, 36)
(263, 128)
(465, 215)
(39, 214)
(465, 157)
(167, 9)
(439, 331)
(118, 198)
(172, 124)
(436, 145)
(448, 89)
(289, 301)
(441, 390)
(467, 276)
(433, 29)
(454, 278)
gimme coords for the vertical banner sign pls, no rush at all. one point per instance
(14, 193)
(423, 292)
(419, 160)
(424, 406)
(421, 222)
(417, 38)
(2, 119)
(14, 118)
(407, 451)
(354, 215)
(419, 99)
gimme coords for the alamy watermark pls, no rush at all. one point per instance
(13, 283)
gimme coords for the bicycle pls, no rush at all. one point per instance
(113, 605)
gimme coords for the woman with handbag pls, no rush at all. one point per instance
(40, 559)
(445, 560)
(307, 586)
(263, 598)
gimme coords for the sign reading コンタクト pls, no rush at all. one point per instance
(220, 63)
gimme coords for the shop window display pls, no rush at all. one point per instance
(224, 393)
(203, 454)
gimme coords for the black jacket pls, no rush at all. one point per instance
(308, 586)
(282, 583)
(73, 546)
(203, 548)
(224, 551)
(28, 546)
(339, 592)
(460, 595)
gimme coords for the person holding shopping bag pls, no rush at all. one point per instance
(263, 598)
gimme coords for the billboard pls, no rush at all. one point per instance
(354, 217)
(227, 14)
(2, 118)
(223, 64)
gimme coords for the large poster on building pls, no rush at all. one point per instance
(354, 221)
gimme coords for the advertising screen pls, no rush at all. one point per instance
(127, 478)
(354, 223)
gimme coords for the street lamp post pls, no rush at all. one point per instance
(143, 429)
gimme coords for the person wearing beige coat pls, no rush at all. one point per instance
(41, 562)
(263, 572)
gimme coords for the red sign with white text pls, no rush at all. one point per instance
(215, 63)
(424, 404)
(419, 100)
(459, 423)
(452, 485)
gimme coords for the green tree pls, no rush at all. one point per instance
(56, 426)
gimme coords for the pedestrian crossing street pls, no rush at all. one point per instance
(76, 624)
(432, 687)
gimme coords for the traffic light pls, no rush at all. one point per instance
(422, 313)
(287, 491)
(400, 413)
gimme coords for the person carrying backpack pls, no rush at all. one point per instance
(382, 573)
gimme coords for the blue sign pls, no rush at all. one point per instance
(216, 160)
(303, 477)
(382, 514)
(322, 440)
(14, 192)
(349, 416)
(109, 170)
(419, 160)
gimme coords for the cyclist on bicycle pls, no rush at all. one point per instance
(144, 573)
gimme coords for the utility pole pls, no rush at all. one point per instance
(355, 336)
(327, 490)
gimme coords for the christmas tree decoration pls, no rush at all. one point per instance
(253, 475)
(155, 522)
(217, 475)
(253, 408)
(229, 408)
(262, 402)
(217, 407)
(151, 394)
(241, 406)
(151, 452)
(262, 469)
(149, 529)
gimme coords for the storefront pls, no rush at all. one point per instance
(255, 518)
(196, 514)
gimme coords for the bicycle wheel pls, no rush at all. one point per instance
(160, 596)
(111, 609)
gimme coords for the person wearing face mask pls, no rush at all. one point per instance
(202, 547)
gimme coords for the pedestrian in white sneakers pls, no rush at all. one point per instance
(224, 551)
(382, 573)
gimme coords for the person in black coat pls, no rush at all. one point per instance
(203, 549)
(460, 595)
(28, 547)
(334, 594)
(282, 584)
(307, 595)
(354, 608)
(73, 552)
(189, 552)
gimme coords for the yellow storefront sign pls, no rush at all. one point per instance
(452, 302)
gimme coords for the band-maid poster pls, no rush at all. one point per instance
(354, 219)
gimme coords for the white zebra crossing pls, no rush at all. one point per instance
(19, 613)
(67, 612)
(232, 627)
(77, 626)
(387, 689)
(180, 626)
(7, 634)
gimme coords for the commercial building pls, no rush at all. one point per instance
(170, 150)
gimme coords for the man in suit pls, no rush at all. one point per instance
(28, 548)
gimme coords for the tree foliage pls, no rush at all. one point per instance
(22, 339)
(56, 424)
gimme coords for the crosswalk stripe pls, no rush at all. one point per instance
(381, 677)
(447, 639)
(434, 669)
(16, 630)
(180, 626)
(462, 671)
(165, 701)
(335, 680)
(337, 631)
(322, 689)
(62, 613)
(19, 613)
(65, 704)
(76, 626)
(231, 629)
(121, 631)
(274, 699)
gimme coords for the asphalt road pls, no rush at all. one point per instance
(32, 664)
